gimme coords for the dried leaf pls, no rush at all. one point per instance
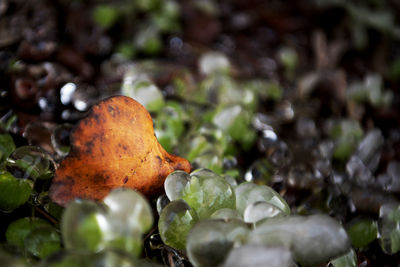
(114, 146)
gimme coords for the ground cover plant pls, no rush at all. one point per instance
(286, 110)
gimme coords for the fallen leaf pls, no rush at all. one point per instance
(115, 146)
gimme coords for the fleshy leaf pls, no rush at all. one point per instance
(114, 146)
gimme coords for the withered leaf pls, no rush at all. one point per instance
(114, 146)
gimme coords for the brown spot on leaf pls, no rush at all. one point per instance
(158, 158)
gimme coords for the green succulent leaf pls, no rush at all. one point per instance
(13, 192)
(7, 146)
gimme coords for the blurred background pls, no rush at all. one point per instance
(299, 95)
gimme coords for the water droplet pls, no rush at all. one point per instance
(304, 177)
(43, 103)
(66, 93)
(213, 62)
(176, 43)
(277, 152)
(84, 97)
(261, 172)
(368, 150)
(60, 139)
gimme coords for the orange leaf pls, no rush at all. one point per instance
(114, 146)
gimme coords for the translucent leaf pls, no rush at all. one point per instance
(143, 91)
(249, 193)
(260, 256)
(210, 241)
(84, 225)
(261, 210)
(213, 62)
(208, 193)
(313, 239)
(176, 219)
(128, 211)
(175, 183)
(347, 260)
(389, 228)
(226, 214)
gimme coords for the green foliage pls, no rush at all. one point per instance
(33, 236)
(18, 230)
(312, 239)
(142, 90)
(248, 193)
(82, 226)
(148, 40)
(126, 49)
(42, 242)
(7, 146)
(371, 91)
(394, 71)
(347, 260)
(128, 211)
(105, 15)
(8, 124)
(117, 223)
(389, 228)
(176, 219)
(166, 19)
(210, 241)
(203, 195)
(13, 192)
(346, 134)
(364, 17)
(169, 125)
(362, 232)
(207, 211)
(207, 193)
(148, 5)
(289, 59)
